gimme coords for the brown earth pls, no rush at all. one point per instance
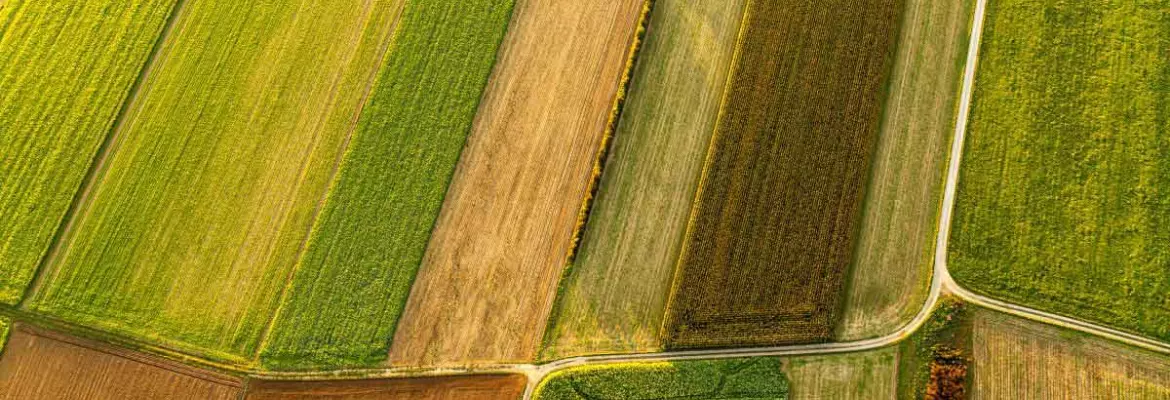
(773, 231)
(491, 269)
(38, 364)
(482, 387)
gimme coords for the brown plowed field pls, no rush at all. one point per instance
(483, 387)
(491, 269)
(773, 231)
(38, 364)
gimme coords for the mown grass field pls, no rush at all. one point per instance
(465, 387)
(614, 294)
(868, 375)
(65, 70)
(758, 378)
(209, 188)
(350, 288)
(891, 271)
(492, 266)
(1020, 359)
(44, 365)
(1064, 199)
(775, 224)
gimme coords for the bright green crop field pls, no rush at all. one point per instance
(1064, 196)
(351, 286)
(66, 67)
(211, 182)
(757, 378)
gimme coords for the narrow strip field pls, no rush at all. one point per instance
(491, 269)
(775, 224)
(890, 278)
(212, 180)
(1064, 198)
(65, 70)
(757, 378)
(44, 365)
(871, 375)
(1021, 359)
(351, 285)
(615, 293)
(464, 387)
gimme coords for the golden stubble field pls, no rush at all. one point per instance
(491, 268)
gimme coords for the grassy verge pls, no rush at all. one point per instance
(66, 68)
(945, 339)
(1064, 201)
(758, 378)
(351, 285)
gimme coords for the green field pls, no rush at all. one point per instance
(3, 334)
(758, 378)
(891, 272)
(66, 67)
(774, 227)
(210, 186)
(351, 286)
(856, 376)
(1064, 196)
(614, 295)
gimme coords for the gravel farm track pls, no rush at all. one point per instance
(941, 283)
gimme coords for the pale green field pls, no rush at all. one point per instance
(892, 264)
(210, 187)
(66, 67)
(614, 296)
(861, 376)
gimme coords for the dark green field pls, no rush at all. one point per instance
(756, 378)
(1064, 195)
(773, 233)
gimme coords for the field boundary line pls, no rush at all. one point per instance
(79, 205)
(333, 175)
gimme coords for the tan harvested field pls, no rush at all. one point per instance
(482, 387)
(38, 364)
(1020, 359)
(615, 293)
(498, 249)
(860, 376)
(892, 265)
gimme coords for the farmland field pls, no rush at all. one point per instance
(891, 272)
(44, 365)
(351, 285)
(615, 293)
(3, 334)
(757, 378)
(1064, 197)
(774, 227)
(869, 375)
(469, 387)
(65, 70)
(490, 272)
(1020, 359)
(211, 182)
